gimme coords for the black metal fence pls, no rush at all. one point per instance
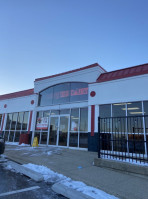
(124, 138)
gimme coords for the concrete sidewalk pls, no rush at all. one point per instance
(78, 165)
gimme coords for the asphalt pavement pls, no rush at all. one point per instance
(16, 186)
(78, 165)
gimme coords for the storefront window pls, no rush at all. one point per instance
(83, 140)
(118, 112)
(55, 112)
(145, 103)
(74, 119)
(84, 119)
(64, 111)
(44, 137)
(73, 139)
(14, 120)
(9, 119)
(64, 93)
(46, 97)
(61, 93)
(64, 124)
(105, 110)
(134, 109)
(79, 92)
(15, 124)
(25, 121)
(17, 136)
(123, 130)
(42, 120)
(19, 120)
(46, 113)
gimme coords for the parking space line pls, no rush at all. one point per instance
(19, 191)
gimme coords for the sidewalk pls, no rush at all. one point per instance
(78, 165)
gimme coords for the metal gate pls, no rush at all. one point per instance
(123, 138)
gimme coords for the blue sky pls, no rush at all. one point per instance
(44, 37)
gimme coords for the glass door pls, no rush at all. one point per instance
(54, 126)
(63, 130)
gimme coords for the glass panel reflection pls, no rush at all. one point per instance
(64, 93)
(105, 110)
(44, 137)
(46, 97)
(6, 135)
(136, 143)
(74, 119)
(53, 130)
(120, 142)
(11, 136)
(61, 93)
(134, 109)
(63, 131)
(17, 136)
(73, 139)
(14, 120)
(19, 120)
(9, 119)
(118, 110)
(79, 92)
(84, 119)
(83, 140)
(25, 121)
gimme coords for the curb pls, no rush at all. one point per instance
(3, 160)
(122, 166)
(69, 192)
(26, 171)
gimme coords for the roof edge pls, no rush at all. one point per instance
(99, 80)
(125, 68)
(71, 71)
(17, 94)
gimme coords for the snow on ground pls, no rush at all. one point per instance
(127, 160)
(12, 143)
(54, 177)
(46, 150)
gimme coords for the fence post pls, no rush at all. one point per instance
(98, 137)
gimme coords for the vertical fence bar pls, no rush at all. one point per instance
(120, 131)
(98, 137)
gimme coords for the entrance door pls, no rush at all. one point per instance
(63, 131)
(59, 130)
(54, 125)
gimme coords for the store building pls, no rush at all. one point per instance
(63, 109)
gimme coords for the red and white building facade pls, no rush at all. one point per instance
(63, 109)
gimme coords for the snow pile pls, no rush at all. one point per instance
(49, 153)
(12, 143)
(87, 190)
(24, 144)
(51, 176)
(48, 174)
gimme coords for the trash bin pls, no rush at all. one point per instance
(24, 138)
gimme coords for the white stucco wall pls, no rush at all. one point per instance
(87, 75)
(122, 90)
(17, 104)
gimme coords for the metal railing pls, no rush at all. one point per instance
(123, 138)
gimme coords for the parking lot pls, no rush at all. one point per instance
(17, 186)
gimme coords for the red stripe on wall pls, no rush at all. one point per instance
(3, 122)
(92, 119)
(30, 122)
